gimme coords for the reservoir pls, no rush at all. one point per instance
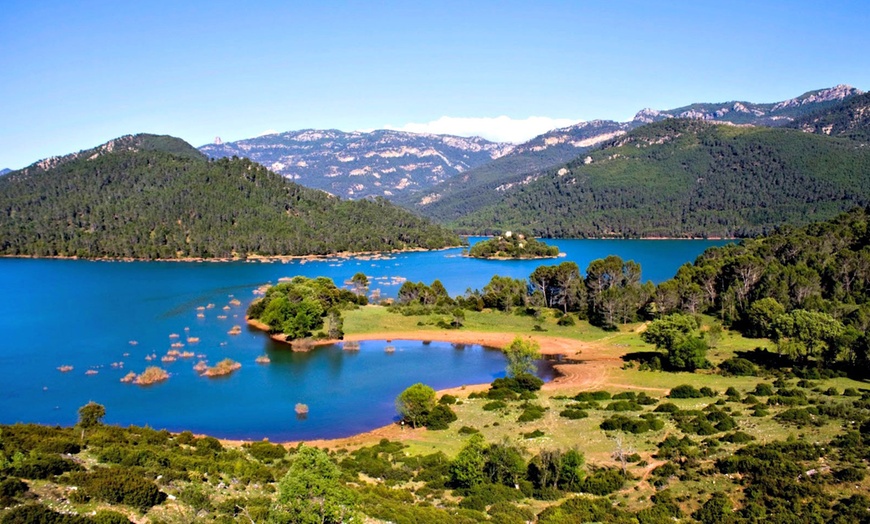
(105, 318)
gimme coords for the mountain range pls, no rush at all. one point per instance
(363, 164)
(680, 178)
(416, 170)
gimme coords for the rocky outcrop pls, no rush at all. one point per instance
(363, 164)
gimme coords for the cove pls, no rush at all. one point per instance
(85, 314)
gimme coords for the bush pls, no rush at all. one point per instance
(519, 383)
(566, 320)
(467, 430)
(573, 414)
(588, 396)
(533, 434)
(119, 486)
(266, 452)
(531, 412)
(667, 407)
(763, 389)
(11, 488)
(494, 405)
(739, 367)
(623, 405)
(440, 417)
(42, 467)
(104, 516)
(603, 482)
(447, 400)
(685, 391)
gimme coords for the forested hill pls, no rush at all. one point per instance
(685, 178)
(850, 119)
(153, 197)
(551, 148)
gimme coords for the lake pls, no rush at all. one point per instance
(86, 314)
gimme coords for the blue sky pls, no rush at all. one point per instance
(76, 74)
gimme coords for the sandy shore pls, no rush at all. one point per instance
(589, 368)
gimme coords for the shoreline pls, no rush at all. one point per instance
(340, 254)
(247, 258)
(585, 373)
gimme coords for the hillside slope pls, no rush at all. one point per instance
(850, 119)
(363, 164)
(452, 198)
(684, 178)
(152, 197)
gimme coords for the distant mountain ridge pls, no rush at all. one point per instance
(850, 119)
(680, 178)
(742, 112)
(526, 161)
(157, 197)
(360, 164)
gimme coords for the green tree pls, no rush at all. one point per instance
(666, 332)
(336, 324)
(760, 317)
(91, 414)
(689, 354)
(504, 464)
(311, 491)
(807, 334)
(360, 283)
(468, 468)
(415, 403)
(521, 356)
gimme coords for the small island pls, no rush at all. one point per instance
(512, 247)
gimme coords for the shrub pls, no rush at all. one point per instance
(566, 320)
(38, 466)
(467, 430)
(738, 437)
(851, 392)
(501, 394)
(533, 434)
(531, 412)
(266, 452)
(447, 400)
(740, 367)
(519, 383)
(494, 405)
(763, 389)
(573, 414)
(588, 396)
(707, 392)
(623, 405)
(603, 482)
(105, 516)
(667, 407)
(685, 391)
(440, 417)
(119, 486)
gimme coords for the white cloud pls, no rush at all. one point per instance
(268, 132)
(498, 129)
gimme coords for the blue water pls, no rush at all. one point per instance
(84, 314)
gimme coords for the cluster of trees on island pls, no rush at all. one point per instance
(512, 245)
